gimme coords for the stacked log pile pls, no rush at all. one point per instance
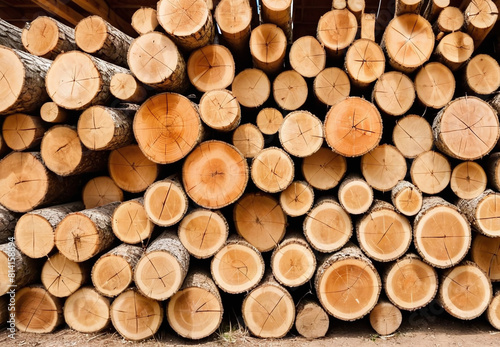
(164, 178)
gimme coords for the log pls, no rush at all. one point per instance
(62, 277)
(260, 220)
(13, 262)
(364, 62)
(466, 129)
(233, 18)
(8, 222)
(442, 234)
(435, 85)
(248, 139)
(368, 23)
(272, 170)
(409, 42)
(131, 170)
(430, 172)
(410, 283)
(144, 20)
(406, 198)
(297, 199)
(268, 310)
(165, 202)
(162, 268)
(215, 174)
(34, 231)
(269, 120)
(47, 37)
(154, 60)
(353, 127)
(449, 20)
(293, 262)
(203, 232)
(51, 113)
(311, 321)
(301, 134)
(492, 313)
(412, 135)
(21, 131)
(336, 31)
(82, 235)
(339, 4)
(433, 8)
(480, 18)
(402, 7)
(324, 169)
(290, 90)
(268, 48)
(237, 267)
(455, 49)
(103, 128)
(327, 227)
(331, 86)
(394, 93)
(485, 253)
(468, 180)
(87, 311)
(357, 7)
(22, 86)
(465, 291)
(65, 155)
(307, 56)
(196, 310)
(355, 194)
(385, 318)
(347, 284)
(482, 74)
(279, 13)
(10, 35)
(189, 23)
(210, 68)
(493, 170)
(251, 87)
(125, 87)
(383, 167)
(482, 212)
(220, 110)
(130, 222)
(37, 311)
(135, 316)
(112, 273)
(174, 119)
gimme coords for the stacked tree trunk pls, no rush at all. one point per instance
(378, 186)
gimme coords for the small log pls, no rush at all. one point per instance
(47, 37)
(364, 62)
(220, 110)
(35, 230)
(165, 202)
(465, 291)
(162, 268)
(10, 35)
(409, 42)
(433, 8)
(234, 18)
(22, 87)
(259, 219)
(482, 74)
(435, 85)
(203, 232)
(269, 120)
(385, 318)
(87, 311)
(430, 172)
(347, 284)
(279, 13)
(450, 19)
(37, 311)
(8, 223)
(136, 317)
(324, 169)
(112, 273)
(383, 167)
(455, 49)
(331, 86)
(339, 4)
(290, 90)
(412, 135)
(272, 170)
(251, 87)
(301, 134)
(93, 226)
(402, 7)
(189, 23)
(355, 194)
(410, 283)
(130, 222)
(336, 31)
(268, 310)
(131, 170)
(483, 213)
(480, 18)
(268, 48)
(406, 198)
(493, 313)
(174, 119)
(485, 253)
(21, 131)
(237, 267)
(248, 139)
(307, 56)
(357, 7)
(297, 199)
(65, 155)
(442, 234)
(25, 269)
(62, 277)
(154, 60)
(468, 180)
(51, 113)
(144, 20)
(311, 321)
(125, 87)
(368, 23)
(394, 93)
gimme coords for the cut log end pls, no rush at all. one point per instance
(383, 167)
(290, 90)
(312, 321)
(394, 93)
(493, 312)
(355, 195)
(293, 262)
(37, 311)
(435, 85)
(468, 180)
(301, 134)
(248, 139)
(210, 68)
(61, 276)
(337, 30)
(269, 120)
(268, 48)
(412, 135)
(454, 49)
(101, 191)
(331, 86)
(144, 20)
(125, 87)
(51, 113)
(165, 202)
(21, 131)
(297, 199)
(482, 74)
(364, 62)
(324, 169)
(220, 110)
(430, 172)
(485, 253)
(251, 87)
(130, 222)
(385, 318)
(272, 170)
(307, 56)
(87, 311)
(407, 198)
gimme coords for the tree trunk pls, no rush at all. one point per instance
(324, 169)
(355, 194)
(125, 87)
(394, 93)
(220, 110)
(268, 47)
(21, 131)
(35, 229)
(297, 199)
(431, 172)
(130, 222)
(51, 113)
(383, 167)
(480, 18)
(62, 277)
(237, 267)
(301, 134)
(307, 56)
(251, 87)
(483, 212)
(493, 313)
(13, 262)
(336, 31)
(195, 311)
(402, 7)
(482, 75)
(331, 86)
(406, 198)
(112, 273)
(385, 318)
(162, 268)
(259, 219)
(435, 85)
(279, 13)
(87, 311)
(10, 35)
(8, 222)
(234, 18)
(364, 62)
(165, 202)
(290, 90)
(100, 191)
(272, 170)
(311, 321)
(442, 234)
(248, 139)
(82, 235)
(485, 252)
(145, 20)
(455, 49)
(412, 135)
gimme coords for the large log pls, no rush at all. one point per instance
(62, 277)
(87, 311)
(10, 35)
(483, 212)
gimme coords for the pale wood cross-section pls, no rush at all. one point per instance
(233, 18)
(455, 49)
(435, 85)
(87, 311)
(311, 321)
(394, 93)
(301, 133)
(406, 198)
(290, 90)
(483, 212)
(430, 172)
(62, 277)
(37, 311)
(248, 139)
(268, 48)
(125, 87)
(269, 120)
(482, 74)
(220, 110)
(272, 170)
(307, 56)
(364, 62)
(468, 180)
(336, 31)
(355, 194)
(450, 19)
(144, 20)
(251, 87)
(50, 112)
(385, 318)
(324, 169)
(165, 202)
(279, 12)
(407, 6)
(493, 313)
(412, 135)
(480, 18)
(331, 86)
(130, 222)
(297, 199)
(485, 252)
(21, 131)
(383, 167)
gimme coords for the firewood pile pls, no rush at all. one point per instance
(209, 164)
